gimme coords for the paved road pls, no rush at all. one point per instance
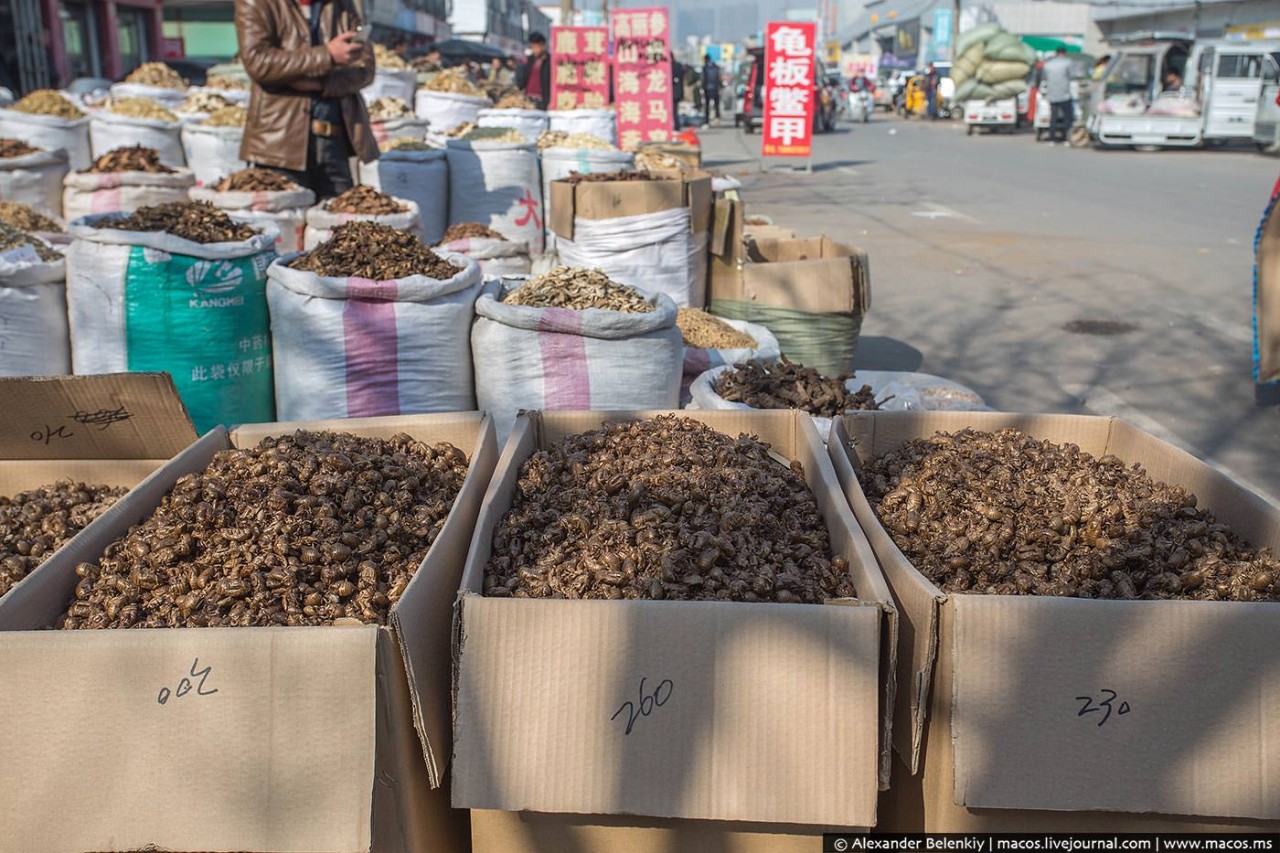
(983, 249)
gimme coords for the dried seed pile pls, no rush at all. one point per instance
(256, 180)
(560, 139)
(376, 252)
(470, 231)
(659, 161)
(389, 59)
(156, 74)
(12, 238)
(226, 84)
(461, 130)
(423, 65)
(232, 116)
(134, 158)
(203, 102)
(26, 218)
(140, 108)
(456, 82)
(388, 108)
(16, 148)
(364, 199)
(47, 102)
(300, 530)
(664, 509)
(515, 101)
(1004, 514)
(600, 177)
(34, 524)
(404, 143)
(786, 385)
(578, 289)
(707, 331)
(197, 221)
(493, 134)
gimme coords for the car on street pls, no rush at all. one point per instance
(826, 96)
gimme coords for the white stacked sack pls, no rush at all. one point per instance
(497, 258)
(212, 152)
(405, 127)
(50, 133)
(419, 176)
(109, 131)
(560, 163)
(87, 193)
(531, 123)
(445, 110)
(285, 210)
(350, 347)
(34, 340)
(601, 123)
(391, 83)
(497, 184)
(165, 97)
(321, 222)
(35, 180)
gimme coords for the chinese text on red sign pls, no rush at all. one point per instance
(580, 68)
(642, 85)
(789, 89)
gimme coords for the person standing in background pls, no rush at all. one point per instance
(306, 117)
(534, 77)
(710, 88)
(677, 90)
(1057, 90)
(931, 91)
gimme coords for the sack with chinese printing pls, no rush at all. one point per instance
(88, 193)
(350, 347)
(35, 180)
(286, 210)
(321, 221)
(150, 301)
(33, 315)
(497, 184)
(421, 177)
(495, 257)
(558, 358)
(531, 123)
(598, 123)
(50, 133)
(109, 131)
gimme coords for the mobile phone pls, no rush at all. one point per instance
(362, 33)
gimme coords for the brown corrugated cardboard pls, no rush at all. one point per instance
(815, 274)
(308, 743)
(771, 713)
(1267, 307)
(612, 199)
(993, 684)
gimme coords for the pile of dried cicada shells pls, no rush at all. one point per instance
(1005, 514)
(578, 289)
(36, 523)
(376, 252)
(785, 385)
(664, 509)
(304, 529)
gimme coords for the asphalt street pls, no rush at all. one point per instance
(988, 252)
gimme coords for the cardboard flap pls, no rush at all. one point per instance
(726, 229)
(1267, 298)
(614, 199)
(267, 745)
(108, 416)
(1139, 706)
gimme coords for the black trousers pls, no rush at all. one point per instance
(328, 171)
(711, 98)
(1061, 115)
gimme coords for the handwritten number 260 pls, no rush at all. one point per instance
(646, 703)
(1106, 705)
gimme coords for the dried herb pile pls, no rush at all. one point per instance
(14, 238)
(47, 102)
(364, 199)
(783, 384)
(133, 158)
(470, 231)
(376, 252)
(197, 221)
(10, 148)
(256, 180)
(27, 218)
(707, 331)
(578, 289)
(156, 74)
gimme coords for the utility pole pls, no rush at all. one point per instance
(955, 28)
(566, 13)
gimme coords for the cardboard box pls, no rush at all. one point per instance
(1267, 298)
(111, 429)
(772, 713)
(613, 199)
(991, 687)
(690, 155)
(284, 739)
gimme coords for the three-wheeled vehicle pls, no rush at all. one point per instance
(1081, 72)
(1173, 92)
(1266, 128)
(991, 115)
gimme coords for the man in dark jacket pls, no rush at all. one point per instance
(306, 117)
(710, 88)
(534, 76)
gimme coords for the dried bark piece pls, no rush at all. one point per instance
(376, 252)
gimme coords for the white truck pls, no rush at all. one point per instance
(1266, 125)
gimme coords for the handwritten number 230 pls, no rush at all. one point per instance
(646, 703)
(1106, 705)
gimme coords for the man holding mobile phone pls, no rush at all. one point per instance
(308, 62)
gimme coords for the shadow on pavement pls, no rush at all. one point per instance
(877, 352)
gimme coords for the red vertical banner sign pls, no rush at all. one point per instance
(579, 68)
(789, 89)
(642, 87)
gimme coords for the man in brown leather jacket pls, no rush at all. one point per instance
(306, 116)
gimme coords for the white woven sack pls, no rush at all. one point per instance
(350, 347)
(321, 222)
(556, 358)
(108, 131)
(165, 97)
(88, 193)
(391, 83)
(601, 123)
(34, 340)
(560, 163)
(50, 133)
(407, 127)
(531, 123)
(213, 152)
(652, 252)
(239, 97)
(286, 211)
(445, 110)
(420, 176)
(497, 258)
(35, 180)
(698, 360)
(497, 184)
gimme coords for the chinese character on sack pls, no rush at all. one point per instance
(233, 368)
(199, 374)
(530, 206)
(217, 371)
(657, 24)
(631, 139)
(566, 42)
(790, 41)
(259, 342)
(245, 343)
(566, 74)
(640, 25)
(595, 42)
(260, 363)
(566, 100)
(786, 128)
(593, 100)
(593, 73)
(628, 54)
(789, 102)
(659, 111)
(246, 367)
(621, 26)
(789, 72)
(655, 81)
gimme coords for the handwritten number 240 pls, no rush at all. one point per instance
(1105, 707)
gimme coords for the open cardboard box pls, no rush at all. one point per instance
(284, 739)
(614, 199)
(991, 688)
(773, 713)
(112, 429)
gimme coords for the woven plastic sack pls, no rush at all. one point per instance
(239, 97)
(993, 73)
(978, 35)
(213, 152)
(419, 176)
(391, 83)
(531, 123)
(1007, 89)
(149, 301)
(351, 347)
(1007, 47)
(34, 340)
(108, 131)
(35, 180)
(406, 127)
(967, 64)
(285, 211)
(88, 193)
(50, 133)
(165, 97)
(698, 360)
(497, 184)
(559, 163)
(445, 110)
(601, 123)
(497, 258)
(556, 358)
(321, 222)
